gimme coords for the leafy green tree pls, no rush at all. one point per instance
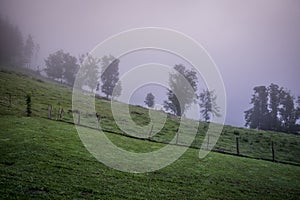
(208, 105)
(150, 100)
(110, 76)
(178, 87)
(257, 117)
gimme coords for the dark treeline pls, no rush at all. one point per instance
(63, 67)
(14, 49)
(274, 108)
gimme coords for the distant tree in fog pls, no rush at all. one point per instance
(89, 71)
(208, 105)
(28, 51)
(149, 100)
(186, 94)
(62, 66)
(11, 44)
(110, 76)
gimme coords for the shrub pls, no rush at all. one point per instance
(236, 132)
(28, 105)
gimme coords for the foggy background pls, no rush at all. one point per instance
(252, 42)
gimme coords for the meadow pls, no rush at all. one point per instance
(45, 158)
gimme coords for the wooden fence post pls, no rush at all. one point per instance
(177, 135)
(207, 142)
(60, 113)
(78, 119)
(150, 131)
(9, 100)
(124, 123)
(98, 119)
(237, 146)
(49, 111)
(273, 152)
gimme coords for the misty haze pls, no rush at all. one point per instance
(150, 99)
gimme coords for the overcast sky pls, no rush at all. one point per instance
(253, 42)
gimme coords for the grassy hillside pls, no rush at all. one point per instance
(43, 158)
(253, 143)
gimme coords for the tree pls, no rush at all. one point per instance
(61, 66)
(208, 105)
(54, 65)
(11, 44)
(149, 100)
(275, 94)
(28, 51)
(110, 76)
(298, 107)
(257, 117)
(273, 109)
(70, 68)
(288, 112)
(28, 105)
(90, 72)
(185, 92)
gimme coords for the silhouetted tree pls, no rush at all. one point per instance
(288, 112)
(257, 117)
(298, 107)
(273, 109)
(149, 100)
(208, 105)
(274, 102)
(178, 87)
(110, 76)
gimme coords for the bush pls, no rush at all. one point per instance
(236, 132)
(28, 105)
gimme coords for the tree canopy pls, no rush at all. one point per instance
(274, 108)
(62, 66)
(110, 76)
(185, 93)
(208, 104)
(150, 100)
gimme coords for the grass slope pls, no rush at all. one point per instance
(43, 158)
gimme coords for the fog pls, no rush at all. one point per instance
(252, 42)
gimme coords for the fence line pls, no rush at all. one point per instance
(60, 118)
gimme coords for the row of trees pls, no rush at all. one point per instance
(14, 50)
(63, 67)
(274, 108)
(178, 83)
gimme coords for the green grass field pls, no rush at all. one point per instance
(42, 158)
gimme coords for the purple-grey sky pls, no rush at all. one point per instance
(253, 42)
